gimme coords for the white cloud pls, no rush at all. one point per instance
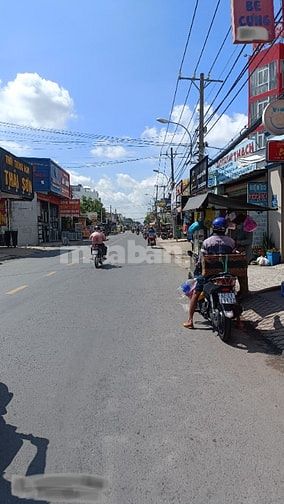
(226, 129)
(122, 192)
(76, 178)
(125, 181)
(15, 148)
(109, 151)
(31, 99)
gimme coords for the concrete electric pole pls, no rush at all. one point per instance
(203, 82)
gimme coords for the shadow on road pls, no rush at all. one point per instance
(110, 266)
(11, 442)
(252, 341)
(9, 254)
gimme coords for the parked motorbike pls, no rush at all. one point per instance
(152, 241)
(98, 255)
(218, 302)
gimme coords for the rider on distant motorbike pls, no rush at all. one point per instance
(217, 243)
(151, 232)
(98, 238)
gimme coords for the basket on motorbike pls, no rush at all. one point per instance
(235, 264)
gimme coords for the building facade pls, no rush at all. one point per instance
(42, 215)
(78, 191)
(16, 187)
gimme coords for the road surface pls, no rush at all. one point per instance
(100, 366)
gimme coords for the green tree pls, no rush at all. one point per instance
(90, 205)
(149, 218)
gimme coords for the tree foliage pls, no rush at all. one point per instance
(88, 204)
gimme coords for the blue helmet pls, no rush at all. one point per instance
(219, 224)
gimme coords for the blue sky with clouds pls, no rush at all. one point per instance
(108, 67)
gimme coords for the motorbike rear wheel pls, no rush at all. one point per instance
(224, 326)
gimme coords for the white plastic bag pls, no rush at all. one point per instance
(262, 261)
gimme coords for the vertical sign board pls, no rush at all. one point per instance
(253, 21)
(257, 193)
(199, 177)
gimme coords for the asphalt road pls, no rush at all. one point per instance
(100, 366)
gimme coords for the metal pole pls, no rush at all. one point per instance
(201, 117)
(156, 203)
(172, 188)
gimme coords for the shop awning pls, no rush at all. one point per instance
(217, 202)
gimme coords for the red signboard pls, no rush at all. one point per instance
(70, 208)
(253, 21)
(275, 151)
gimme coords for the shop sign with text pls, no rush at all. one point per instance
(69, 208)
(253, 21)
(257, 193)
(275, 151)
(234, 165)
(16, 176)
(199, 177)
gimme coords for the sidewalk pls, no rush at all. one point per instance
(263, 307)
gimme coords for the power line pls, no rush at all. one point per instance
(180, 69)
(197, 64)
(256, 52)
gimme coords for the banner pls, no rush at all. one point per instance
(253, 21)
(69, 208)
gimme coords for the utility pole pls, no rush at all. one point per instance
(172, 188)
(203, 83)
(172, 169)
(156, 201)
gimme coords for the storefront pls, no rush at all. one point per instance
(71, 226)
(243, 174)
(52, 185)
(16, 184)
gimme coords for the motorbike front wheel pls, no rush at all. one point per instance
(224, 326)
(97, 262)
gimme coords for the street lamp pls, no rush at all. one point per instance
(162, 173)
(167, 121)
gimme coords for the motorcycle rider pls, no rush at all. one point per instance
(151, 232)
(217, 243)
(98, 238)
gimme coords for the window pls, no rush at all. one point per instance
(263, 79)
(257, 107)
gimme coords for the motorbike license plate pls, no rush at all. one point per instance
(227, 297)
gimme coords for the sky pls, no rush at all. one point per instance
(104, 70)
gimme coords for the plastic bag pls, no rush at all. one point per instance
(262, 261)
(187, 287)
(249, 224)
(194, 227)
